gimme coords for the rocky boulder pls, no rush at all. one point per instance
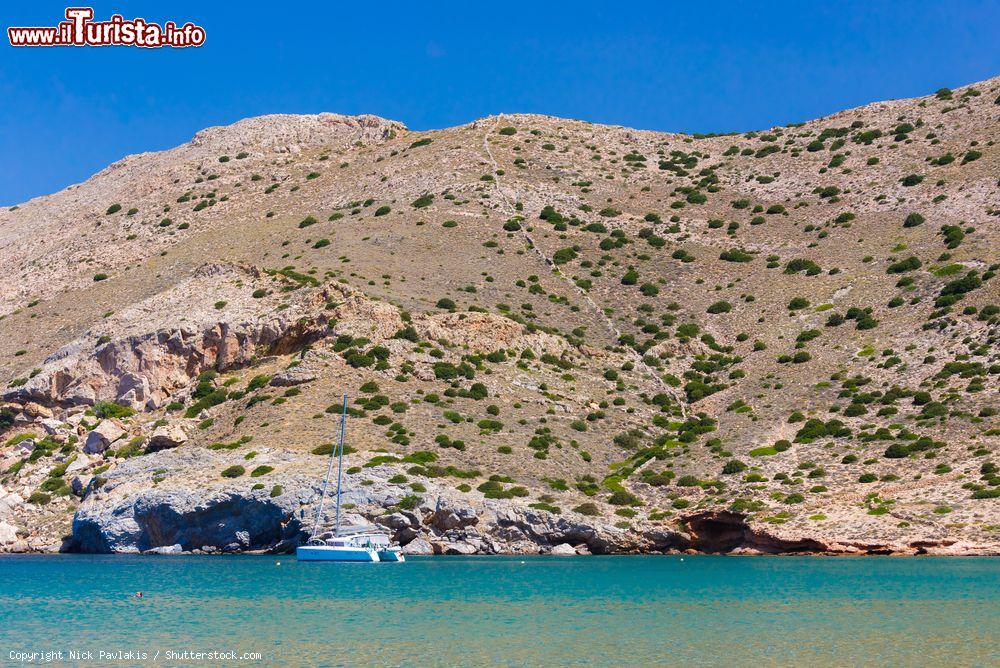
(297, 375)
(52, 426)
(563, 550)
(395, 521)
(418, 546)
(166, 436)
(24, 446)
(78, 463)
(35, 410)
(79, 484)
(8, 534)
(103, 435)
(453, 547)
(451, 515)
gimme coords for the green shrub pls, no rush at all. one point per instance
(327, 448)
(490, 425)
(953, 235)
(911, 263)
(55, 485)
(735, 255)
(971, 155)
(40, 498)
(234, 471)
(801, 264)
(409, 502)
(733, 466)
(564, 255)
(109, 409)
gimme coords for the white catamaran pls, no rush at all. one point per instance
(350, 543)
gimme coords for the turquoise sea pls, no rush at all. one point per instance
(504, 611)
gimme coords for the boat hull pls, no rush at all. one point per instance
(390, 555)
(330, 553)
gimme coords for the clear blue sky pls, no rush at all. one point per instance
(67, 112)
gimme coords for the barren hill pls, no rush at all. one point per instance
(550, 332)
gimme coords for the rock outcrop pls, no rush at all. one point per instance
(227, 521)
(165, 437)
(102, 436)
(130, 365)
(127, 515)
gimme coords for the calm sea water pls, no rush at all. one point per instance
(509, 611)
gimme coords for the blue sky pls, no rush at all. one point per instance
(67, 112)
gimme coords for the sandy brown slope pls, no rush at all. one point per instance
(688, 303)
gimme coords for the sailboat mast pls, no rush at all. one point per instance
(340, 462)
(329, 470)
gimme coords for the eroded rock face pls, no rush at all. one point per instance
(190, 506)
(294, 376)
(449, 516)
(127, 363)
(283, 132)
(145, 371)
(724, 531)
(228, 520)
(202, 512)
(486, 332)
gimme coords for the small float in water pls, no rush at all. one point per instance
(350, 543)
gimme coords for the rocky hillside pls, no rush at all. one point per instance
(555, 336)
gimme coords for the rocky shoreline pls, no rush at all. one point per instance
(126, 515)
(171, 501)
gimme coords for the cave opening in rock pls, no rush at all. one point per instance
(717, 532)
